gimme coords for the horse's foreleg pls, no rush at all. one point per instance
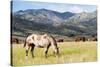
(46, 50)
(27, 49)
(32, 49)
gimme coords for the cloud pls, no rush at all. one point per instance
(75, 9)
(60, 7)
(50, 6)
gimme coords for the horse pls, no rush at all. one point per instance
(41, 41)
(77, 39)
(94, 39)
(60, 40)
(14, 40)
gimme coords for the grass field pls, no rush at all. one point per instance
(70, 52)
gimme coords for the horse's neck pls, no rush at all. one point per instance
(53, 42)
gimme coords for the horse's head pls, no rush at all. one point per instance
(56, 52)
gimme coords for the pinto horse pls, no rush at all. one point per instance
(41, 41)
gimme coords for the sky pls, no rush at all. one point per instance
(60, 7)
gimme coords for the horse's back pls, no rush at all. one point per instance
(38, 40)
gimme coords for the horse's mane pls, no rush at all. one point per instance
(54, 41)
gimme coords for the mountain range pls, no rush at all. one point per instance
(43, 20)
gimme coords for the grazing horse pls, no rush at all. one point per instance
(41, 41)
(77, 39)
(94, 39)
(14, 40)
(60, 40)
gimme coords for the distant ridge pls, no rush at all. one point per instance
(43, 20)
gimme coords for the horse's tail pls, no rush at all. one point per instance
(25, 41)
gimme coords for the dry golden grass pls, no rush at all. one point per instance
(69, 52)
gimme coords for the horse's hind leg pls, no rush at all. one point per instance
(32, 49)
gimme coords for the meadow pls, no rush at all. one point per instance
(70, 52)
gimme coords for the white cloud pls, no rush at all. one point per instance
(59, 7)
(75, 9)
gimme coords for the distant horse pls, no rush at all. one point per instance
(94, 39)
(77, 39)
(14, 40)
(41, 41)
(60, 40)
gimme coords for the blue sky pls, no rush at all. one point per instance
(60, 7)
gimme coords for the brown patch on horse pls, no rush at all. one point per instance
(44, 37)
(33, 37)
(31, 44)
(40, 46)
